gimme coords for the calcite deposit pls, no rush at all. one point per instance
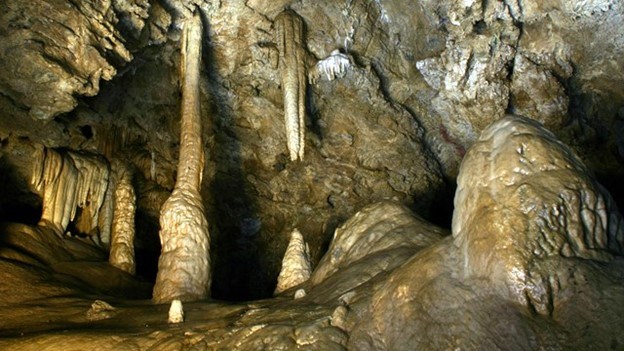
(290, 40)
(122, 233)
(452, 168)
(296, 266)
(184, 263)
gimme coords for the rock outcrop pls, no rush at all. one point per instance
(535, 254)
(524, 201)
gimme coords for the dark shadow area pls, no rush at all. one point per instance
(234, 226)
(146, 245)
(17, 203)
(314, 121)
(441, 209)
(615, 186)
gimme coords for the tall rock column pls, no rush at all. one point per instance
(184, 264)
(292, 68)
(122, 234)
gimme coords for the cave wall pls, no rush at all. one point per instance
(424, 79)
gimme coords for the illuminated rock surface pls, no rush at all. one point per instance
(396, 95)
(122, 242)
(292, 65)
(184, 263)
(296, 266)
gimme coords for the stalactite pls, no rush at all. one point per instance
(296, 267)
(69, 181)
(184, 264)
(292, 68)
(335, 66)
(122, 239)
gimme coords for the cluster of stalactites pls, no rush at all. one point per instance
(68, 181)
(292, 70)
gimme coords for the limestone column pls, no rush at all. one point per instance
(122, 234)
(184, 264)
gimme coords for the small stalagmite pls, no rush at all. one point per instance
(296, 267)
(292, 70)
(122, 234)
(184, 263)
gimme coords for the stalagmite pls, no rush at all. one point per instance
(68, 181)
(122, 240)
(292, 67)
(184, 264)
(176, 312)
(296, 267)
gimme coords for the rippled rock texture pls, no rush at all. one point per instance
(388, 97)
(395, 94)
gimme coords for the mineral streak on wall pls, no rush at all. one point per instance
(68, 181)
(184, 264)
(122, 240)
(289, 38)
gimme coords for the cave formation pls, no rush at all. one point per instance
(461, 186)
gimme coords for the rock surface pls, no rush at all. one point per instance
(122, 233)
(524, 201)
(398, 92)
(296, 266)
(535, 255)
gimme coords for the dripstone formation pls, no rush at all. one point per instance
(329, 175)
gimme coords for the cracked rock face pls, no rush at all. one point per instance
(56, 50)
(397, 96)
(402, 90)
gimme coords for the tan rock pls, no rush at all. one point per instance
(296, 266)
(523, 199)
(184, 264)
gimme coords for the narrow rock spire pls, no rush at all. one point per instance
(296, 267)
(122, 234)
(292, 68)
(184, 264)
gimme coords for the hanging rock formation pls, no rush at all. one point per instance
(69, 181)
(122, 239)
(296, 266)
(184, 264)
(292, 68)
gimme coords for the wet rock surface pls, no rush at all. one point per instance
(397, 93)
(506, 279)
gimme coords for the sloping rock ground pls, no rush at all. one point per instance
(520, 272)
